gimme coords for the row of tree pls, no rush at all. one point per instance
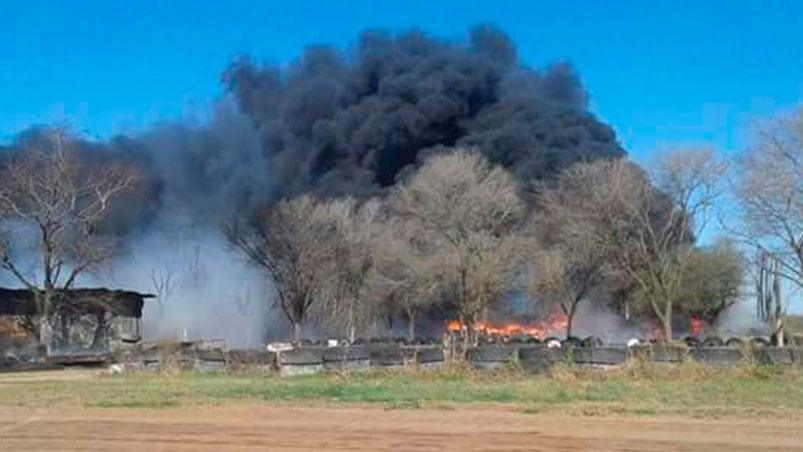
(462, 234)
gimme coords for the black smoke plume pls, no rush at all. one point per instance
(351, 122)
(335, 122)
(332, 122)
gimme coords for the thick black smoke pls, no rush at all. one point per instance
(335, 122)
(351, 122)
(191, 174)
(330, 123)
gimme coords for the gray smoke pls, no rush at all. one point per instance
(204, 290)
(351, 122)
(333, 122)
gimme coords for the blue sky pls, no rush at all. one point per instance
(664, 74)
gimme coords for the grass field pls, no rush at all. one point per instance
(686, 390)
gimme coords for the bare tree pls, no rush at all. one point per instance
(61, 202)
(662, 222)
(292, 243)
(354, 225)
(573, 259)
(770, 191)
(245, 309)
(770, 305)
(646, 226)
(163, 285)
(407, 275)
(566, 276)
(469, 214)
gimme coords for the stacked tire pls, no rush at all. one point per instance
(599, 356)
(346, 359)
(429, 358)
(300, 361)
(718, 356)
(540, 358)
(387, 357)
(491, 357)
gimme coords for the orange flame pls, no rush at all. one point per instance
(696, 326)
(11, 329)
(550, 326)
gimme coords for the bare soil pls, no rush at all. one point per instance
(287, 428)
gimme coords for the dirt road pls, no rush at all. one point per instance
(277, 428)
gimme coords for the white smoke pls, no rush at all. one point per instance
(596, 319)
(204, 290)
(740, 320)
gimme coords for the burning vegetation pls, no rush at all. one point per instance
(406, 182)
(551, 327)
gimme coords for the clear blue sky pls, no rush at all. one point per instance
(664, 74)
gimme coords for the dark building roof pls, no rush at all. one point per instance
(123, 303)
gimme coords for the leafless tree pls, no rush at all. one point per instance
(769, 189)
(163, 285)
(770, 194)
(470, 215)
(656, 221)
(245, 309)
(354, 225)
(567, 275)
(292, 243)
(573, 259)
(645, 224)
(407, 272)
(61, 201)
(770, 305)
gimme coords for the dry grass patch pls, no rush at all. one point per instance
(633, 389)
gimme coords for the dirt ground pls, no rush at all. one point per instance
(284, 428)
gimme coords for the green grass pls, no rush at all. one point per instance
(685, 390)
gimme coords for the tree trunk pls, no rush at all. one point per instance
(101, 333)
(44, 328)
(410, 326)
(667, 327)
(296, 330)
(473, 335)
(570, 313)
(779, 339)
(46, 334)
(388, 332)
(64, 321)
(569, 322)
(350, 322)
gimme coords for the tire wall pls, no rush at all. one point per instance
(660, 353)
(531, 358)
(346, 359)
(718, 356)
(601, 356)
(536, 359)
(491, 357)
(388, 357)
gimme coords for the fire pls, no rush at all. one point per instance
(696, 327)
(11, 329)
(552, 325)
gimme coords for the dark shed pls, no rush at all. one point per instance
(123, 303)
